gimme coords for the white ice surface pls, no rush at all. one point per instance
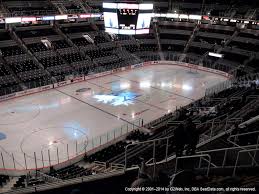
(55, 118)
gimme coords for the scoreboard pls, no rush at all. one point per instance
(127, 18)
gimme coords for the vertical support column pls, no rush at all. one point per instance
(257, 142)
(176, 164)
(166, 151)
(211, 130)
(76, 148)
(13, 162)
(85, 146)
(67, 153)
(2, 160)
(255, 152)
(35, 160)
(200, 162)
(42, 159)
(125, 166)
(25, 162)
(226, 124)
(36, 167)
(154, 159)
(49, 158)
(225, 158)
(57, 155)
(234, 171)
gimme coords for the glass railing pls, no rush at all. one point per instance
(65, 152)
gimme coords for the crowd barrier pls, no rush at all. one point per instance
(190, 66)
(103, 140)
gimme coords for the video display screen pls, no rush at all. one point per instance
(125, 18)
(144, 20)
(111, 20)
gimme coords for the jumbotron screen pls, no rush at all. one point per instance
(127, 18)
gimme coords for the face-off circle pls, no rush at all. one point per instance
(62, 142)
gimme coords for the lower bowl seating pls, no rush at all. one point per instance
(4, 179)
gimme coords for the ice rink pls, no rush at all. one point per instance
(61, 123)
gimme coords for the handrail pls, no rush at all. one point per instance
(99, 163)
(226, 151)
(243, 151)
(195, 156)
(145, 142)
(223, 149)
(243, 134)
(66, 182)
(46, 176)
(217, 98)
(235, 144)
(212, 121)
(154, 167)
(151, 159)
(149, 141)
(212, 164)
(216, 120)
(117, 166)
(252, 97)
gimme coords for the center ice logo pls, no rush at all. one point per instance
(117, 99)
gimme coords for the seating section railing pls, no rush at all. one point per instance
(200, 157)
